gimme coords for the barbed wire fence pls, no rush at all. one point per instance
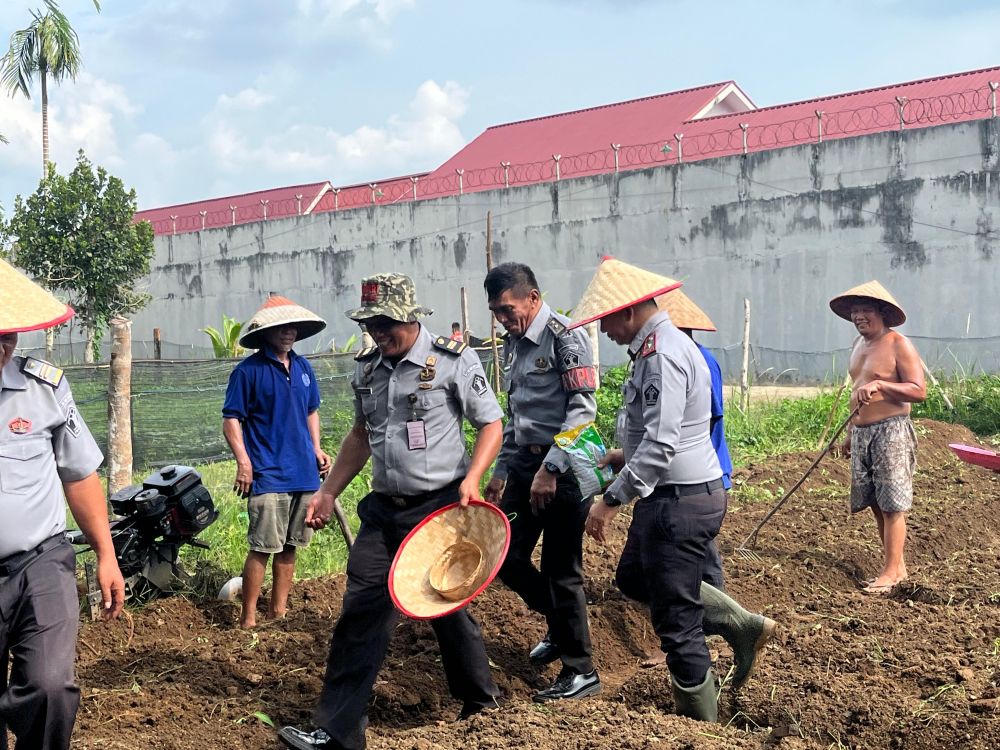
(700, 139)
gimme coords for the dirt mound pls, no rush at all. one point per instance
(917, 669)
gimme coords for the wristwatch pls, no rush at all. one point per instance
(551, 467)
(610, 500)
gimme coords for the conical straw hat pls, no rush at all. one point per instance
(25, 306)
(279, 311)
(615, 286)
(684, 313)
(870, 290)
(426, 551)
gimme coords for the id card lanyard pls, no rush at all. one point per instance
(416, 433)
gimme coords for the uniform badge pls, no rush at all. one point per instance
(425, 386)
(651, 394)
(542, 363)
(426, 374)
(649, 345)
(19, 425)
(73, 421)
(305, 379)
(571, 360)
(479, 385)
(431, 360)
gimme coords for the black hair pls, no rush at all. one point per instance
(515, 277)
(456, 326)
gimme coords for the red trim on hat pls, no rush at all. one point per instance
(276, 300)
(70, 312)
(477, 592)
(650, 296)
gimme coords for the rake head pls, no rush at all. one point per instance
(746, 550)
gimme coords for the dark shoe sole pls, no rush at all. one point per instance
(585, 693)
(767, 631)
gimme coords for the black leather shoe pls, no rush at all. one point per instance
(544, 652)
(471, 709)
(570, 686)
(299, 740)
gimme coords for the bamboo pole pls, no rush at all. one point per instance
(745, 369)
(592, 332)
(157, 344)
(465, 316)
(120, 407)
(493, 320)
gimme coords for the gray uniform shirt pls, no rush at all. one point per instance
(435, 386)
(43, 443)
(549, 378)
(667, 408)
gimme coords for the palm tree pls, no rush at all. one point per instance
(48, 47)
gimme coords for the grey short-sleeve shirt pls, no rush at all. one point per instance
(43, 443)
(413, 412)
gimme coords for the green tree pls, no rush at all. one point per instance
(75, 235)
(48, 47)
(226, 343)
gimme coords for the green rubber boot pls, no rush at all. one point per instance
(700, 702)
(745, 632)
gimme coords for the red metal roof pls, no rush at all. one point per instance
(642, 127)
(219, 212)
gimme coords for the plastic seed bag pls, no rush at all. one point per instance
(585, 449)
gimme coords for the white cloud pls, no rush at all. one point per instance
(248, 98)
(416, 140)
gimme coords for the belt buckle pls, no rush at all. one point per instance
(535, 449)
(399, 502)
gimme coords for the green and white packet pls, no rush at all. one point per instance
(585, 448)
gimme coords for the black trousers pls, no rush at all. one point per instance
(361, 635)
(662, 565)
(712, 574)
(39, 617)
(555, 591)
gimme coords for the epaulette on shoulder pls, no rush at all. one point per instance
(365, 353)
(556, 326)
(43, 371)
(450, 345)
(648, 346)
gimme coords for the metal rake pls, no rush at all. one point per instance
(745, 550)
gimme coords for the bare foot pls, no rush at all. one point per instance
(248, 624)
(277, 615)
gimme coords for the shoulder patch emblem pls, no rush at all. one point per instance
(651, 394)
(450, 345)
(571, 360)
(556, 326)
(479, 385)
(73, 421)
(649, 345)
(365, 353)
(43, 371)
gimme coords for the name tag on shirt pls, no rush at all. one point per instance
(416, 435)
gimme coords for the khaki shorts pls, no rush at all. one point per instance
(277, 520)
(883, 460)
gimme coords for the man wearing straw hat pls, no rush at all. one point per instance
(46, 453)
(669, 468)
(271, 422)
(888, 377)
(550, 388)
(412, 390)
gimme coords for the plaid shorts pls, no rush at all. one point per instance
(883, 459)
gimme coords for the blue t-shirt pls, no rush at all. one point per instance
(272, 404)
(718, 434)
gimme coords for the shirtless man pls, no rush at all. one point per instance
(888, 377)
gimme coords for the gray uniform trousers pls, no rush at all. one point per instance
(39, 617)
(361, 635)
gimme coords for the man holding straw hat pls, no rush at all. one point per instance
(669, 468)
(412, 391)
(271, 422)
(46, 453)
(888, 377)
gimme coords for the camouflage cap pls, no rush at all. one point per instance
(390, 294)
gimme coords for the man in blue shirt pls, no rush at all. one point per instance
(271, 422)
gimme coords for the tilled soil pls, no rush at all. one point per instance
(919, 668)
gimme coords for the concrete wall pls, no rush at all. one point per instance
(787, 228)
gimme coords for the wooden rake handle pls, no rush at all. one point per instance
(752, 538)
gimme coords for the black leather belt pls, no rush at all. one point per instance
(410, 501)
(683, 490)
(13, 563)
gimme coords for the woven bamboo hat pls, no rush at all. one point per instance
(615, 286)
(279, 311)
(684, 313)
(448, 559)
(25, 306)
(870, 291)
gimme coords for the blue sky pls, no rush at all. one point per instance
(190, 99)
